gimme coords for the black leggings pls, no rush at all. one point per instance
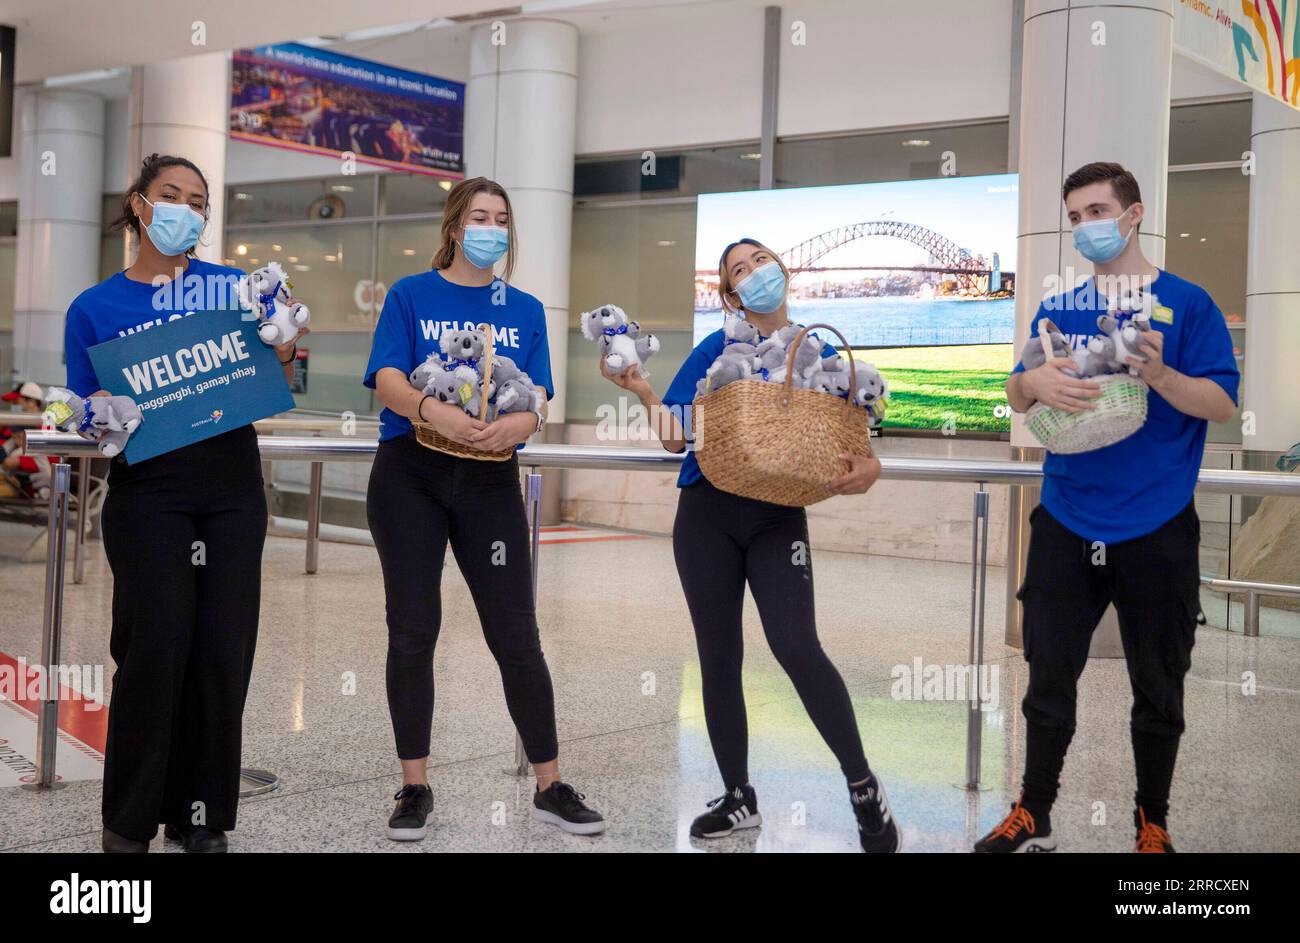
(419, 499)
(183, 533)
(721, 541)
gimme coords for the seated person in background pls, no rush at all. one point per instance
(22, 475)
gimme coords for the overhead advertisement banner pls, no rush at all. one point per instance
(321, 102)
(1256, 42)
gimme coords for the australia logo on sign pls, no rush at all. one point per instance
(213, 417)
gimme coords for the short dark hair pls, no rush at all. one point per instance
(1124, 183)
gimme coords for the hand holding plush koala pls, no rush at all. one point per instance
(108, 420)
(267, 293)
(622, 345)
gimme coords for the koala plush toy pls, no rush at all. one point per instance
(462, 347)
(267, 292)
(1098, 357)
(1127, 339)
(737, 330)
(423, 375)
(622, 345)
(108, 420)
(1032, 355)
(517, 395)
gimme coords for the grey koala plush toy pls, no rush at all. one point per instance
(107, 420)
(1127, 340)
(517, 395)
(835, 382)
(462, 346)
(422, 374)
(622, 344)
(1098, 357)
(737, 330)
(1032, 355)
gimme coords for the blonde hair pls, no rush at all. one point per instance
(454, 213)
(724, 276)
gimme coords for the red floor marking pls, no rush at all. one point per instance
(75, 716)
(560, 527)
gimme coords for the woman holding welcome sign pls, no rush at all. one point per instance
(420, 498)
(183, 533)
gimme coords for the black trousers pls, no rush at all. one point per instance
(184, 534)
(418, 500)
(1153, 582)
(722, 541)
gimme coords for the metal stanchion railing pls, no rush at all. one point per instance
(47, 721)
(979, 554)
(543, 455)
(1252, 592)
(313, 515)
(83, 499)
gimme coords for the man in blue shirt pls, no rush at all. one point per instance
(1117, 525)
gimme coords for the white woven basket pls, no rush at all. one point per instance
(1120, 411)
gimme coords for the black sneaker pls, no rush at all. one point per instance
(410, 818)
(560, 804)
(1019, 832)
(728, 812)
(197, 839)
(877, 830)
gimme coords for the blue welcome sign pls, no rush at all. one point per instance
(193, 378)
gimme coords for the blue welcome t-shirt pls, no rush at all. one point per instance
(419, 308)
(681, 393)
(1133, 487)
(119, 306)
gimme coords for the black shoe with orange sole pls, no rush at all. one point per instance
(1020, 832)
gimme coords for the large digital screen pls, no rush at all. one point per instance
(910, 272)
(322, 102)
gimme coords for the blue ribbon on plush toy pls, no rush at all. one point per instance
(454, 362)
(611, 331)
(268, 299)
(86, 417)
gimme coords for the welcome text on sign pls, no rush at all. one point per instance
(185, 363)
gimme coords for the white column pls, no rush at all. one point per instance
(1270, 388)
(61, 157)
(182, 108)
(520, 119)
(1094, 86)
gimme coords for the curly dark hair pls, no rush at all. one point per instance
(150, 167)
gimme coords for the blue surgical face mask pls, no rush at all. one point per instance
(175, 227)
(484, 245)
(1099, 240)
(763, 289)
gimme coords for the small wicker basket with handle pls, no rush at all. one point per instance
(773, 442)
(1119, 412)
(431, 438)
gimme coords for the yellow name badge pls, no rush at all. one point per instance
(58, 412)
(466, 392)
(1162, 314)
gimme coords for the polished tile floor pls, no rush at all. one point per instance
(619, 644)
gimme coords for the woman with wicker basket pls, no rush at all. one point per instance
(723, 540)
(440, 475)
(1117, 523)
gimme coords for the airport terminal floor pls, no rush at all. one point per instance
(618, 641)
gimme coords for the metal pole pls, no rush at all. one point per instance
(47, 721)
(83, 497)
(313, 516)
(533, 498)
(979, 548)
(1250, 618)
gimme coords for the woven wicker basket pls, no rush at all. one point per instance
(776, 443)
(1120, 411)
(431, 438)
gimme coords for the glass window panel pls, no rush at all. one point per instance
(1202, 134)
(676, 173)
(897, 155)
(1207, 224)
(404, 249)
(412, 193)
(297, 200)
(330, 267)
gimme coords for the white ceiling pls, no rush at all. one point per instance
(62, 37)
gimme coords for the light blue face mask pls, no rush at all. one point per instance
(763, 289)
(484, 245)
(175, 227)
(1099, 240)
